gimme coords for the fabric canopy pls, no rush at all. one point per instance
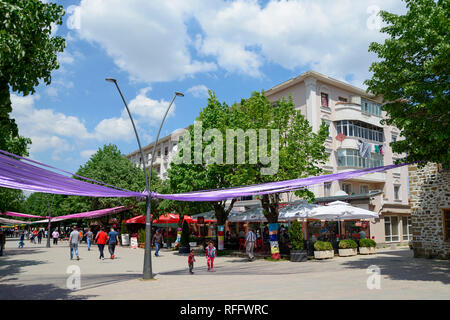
(339, 210)
(24, 174)
(13, 221)
(86, 215)
(300, 209)
(168, 218)
(21, 215)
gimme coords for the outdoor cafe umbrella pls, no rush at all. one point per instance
(300, 209)
(251, 215)
(338, 211)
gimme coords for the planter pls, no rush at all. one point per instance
(184, 249)
(142, 245)
(125, 239)
(298, 255)
(323, 254)
(192, 244)
(367, 250)
(348, 252)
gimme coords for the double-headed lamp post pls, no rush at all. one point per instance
(147, 272)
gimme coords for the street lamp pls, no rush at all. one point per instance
(147, 272)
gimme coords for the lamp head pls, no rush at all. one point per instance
(179, 94)
(111, 80)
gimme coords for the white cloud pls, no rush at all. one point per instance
(199, 91)
(148, 39)
(114, 129)
(86, 154)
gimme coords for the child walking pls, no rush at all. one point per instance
(210, 255)
(191, 261)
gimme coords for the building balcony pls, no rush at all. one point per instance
(376, 177)
(352, 111)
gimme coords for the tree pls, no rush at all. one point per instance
(295, 151)
(27, 54)
(204, 169)
(413, 77)
(109, 165)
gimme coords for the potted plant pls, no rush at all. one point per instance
(124, 235)
(298, 254)
(141, 238)
(367, 246)
(323, 250)
(193, 241)
(184, 246)
(347, 248)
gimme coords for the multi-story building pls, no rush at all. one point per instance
(356, 115)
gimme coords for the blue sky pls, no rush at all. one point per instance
(154, 48)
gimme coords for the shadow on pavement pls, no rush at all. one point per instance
(401, 265)
(37, 292)
(10, 265)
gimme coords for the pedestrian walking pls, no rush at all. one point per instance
(113, 240)
(74, 238)
(250, 244)
(55, 236)
(39, 236)
(191, 260)
(89, 237)
(22, 238)
(158, 241)
(210, 255)
(101, 238)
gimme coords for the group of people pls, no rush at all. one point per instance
(210, 253)
(101, 239)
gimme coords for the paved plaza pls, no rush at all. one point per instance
(36, 272)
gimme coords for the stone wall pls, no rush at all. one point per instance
(429, 195)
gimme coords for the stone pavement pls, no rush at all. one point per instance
(36, 272)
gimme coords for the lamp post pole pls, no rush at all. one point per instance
(147, 272)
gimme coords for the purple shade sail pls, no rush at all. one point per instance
(19, 174)
(22, 215)
(86, 215)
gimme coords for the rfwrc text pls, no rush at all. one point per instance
(246, 309)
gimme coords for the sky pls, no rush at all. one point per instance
(154, 48)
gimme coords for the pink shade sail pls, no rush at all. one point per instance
(86, 215)
(12, 221)
(22, 215)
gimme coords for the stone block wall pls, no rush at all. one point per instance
(429, 195)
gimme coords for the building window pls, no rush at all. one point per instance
(351, 158)
(360, 129)
(246, 198)
(327, 189)
(347, 187)
(396, 192)
(364, 189)
(406, 228)
(391, 229)
(371, 107)
(324, 99)
(166, 151)
(342, 99)
(159, 153)
(394, 137)
(446, 218)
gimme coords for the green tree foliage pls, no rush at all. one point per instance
(413, 76)
(27, 55)
(185, 177)
(300, 153)
(109, 165)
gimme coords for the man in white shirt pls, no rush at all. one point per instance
(55, 236)
(73, 242)
(250, 244)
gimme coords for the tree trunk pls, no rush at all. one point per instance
(270, 203)
(221, 216)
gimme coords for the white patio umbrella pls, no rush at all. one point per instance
(300, 209)
(338, 211)
(251, 215)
